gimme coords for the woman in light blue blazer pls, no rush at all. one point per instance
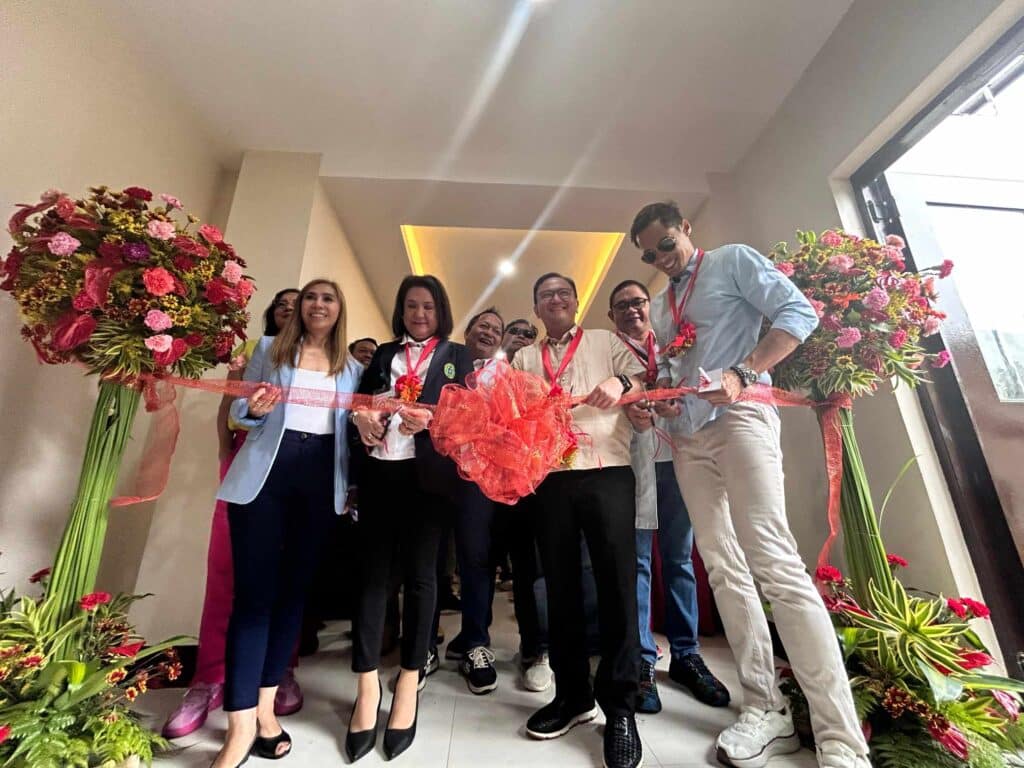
(283, 488)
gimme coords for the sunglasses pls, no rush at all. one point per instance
(526, 333)
(624, 306)
(667, 244)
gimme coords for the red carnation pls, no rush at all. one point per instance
(182, 263)
(219, 292)
(829, 574)
(177, 350)
(945, 268)
(897, 560)
(211, 234)
(72, 330)
(39, 575)
(110, 251)
(5, 731)
(957, 607)
(139, 193)
(194, 339)
(158, 281)
(980, 610)
(94, 600)
(128, 651)
(189, 246)
(974, 659)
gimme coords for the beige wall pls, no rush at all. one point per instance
(883, 62)
(78, 108)
(329, 254)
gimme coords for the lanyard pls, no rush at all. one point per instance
(679, 309)
(552, 374)
(648, 357)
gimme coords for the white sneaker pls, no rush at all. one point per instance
(835, 754)
(537, 676)
(756, 737)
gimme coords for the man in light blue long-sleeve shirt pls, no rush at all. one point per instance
(728, 462)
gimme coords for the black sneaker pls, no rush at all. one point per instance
(478, 669)
(622, 748)
(691, 672)
(456, 649)
(432, 665)
(557, 718)
(648, 702)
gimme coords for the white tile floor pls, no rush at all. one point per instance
(459, 730)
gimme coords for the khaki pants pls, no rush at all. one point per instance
(730, 473)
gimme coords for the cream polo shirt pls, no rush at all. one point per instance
(605, 435)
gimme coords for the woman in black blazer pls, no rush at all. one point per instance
(405, 486)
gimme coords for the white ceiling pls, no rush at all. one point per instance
(600, 104)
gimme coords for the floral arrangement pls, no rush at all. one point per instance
(123, 287)
(914, 664)
(684, 339)
(872, 313)
(66, 691)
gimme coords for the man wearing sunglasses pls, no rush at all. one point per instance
(660, 509)
(728, 462)
(518, 334)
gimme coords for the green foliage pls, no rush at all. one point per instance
(898, 749)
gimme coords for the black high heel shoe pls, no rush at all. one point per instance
(266, 747)
(360, 743)
(397, 740)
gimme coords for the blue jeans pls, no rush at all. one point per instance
(675, 541)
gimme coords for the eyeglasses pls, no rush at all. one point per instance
(667, 244)
(526, 333)
(285, 303)
(562, 294)
(636, 303)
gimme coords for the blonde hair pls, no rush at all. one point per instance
(286, 344)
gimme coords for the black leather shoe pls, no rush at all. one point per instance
(558, 717)
(267, 747)
(622, 748)
(691, 672)
(360, 743)
(397, 740)
(648, 702)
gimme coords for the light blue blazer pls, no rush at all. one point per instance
(251, 466)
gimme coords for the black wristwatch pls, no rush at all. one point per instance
(746, 375)
(627, 383)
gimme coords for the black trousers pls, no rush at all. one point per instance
(601, 504)
(521, 544)
(398, 531)
(275, 545)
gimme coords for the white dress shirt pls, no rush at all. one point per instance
(398, 446)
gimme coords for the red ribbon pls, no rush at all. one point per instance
(159, 396)
(545, 356)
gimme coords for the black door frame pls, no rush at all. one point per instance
(986, 530)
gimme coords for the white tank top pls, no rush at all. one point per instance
(308, 418)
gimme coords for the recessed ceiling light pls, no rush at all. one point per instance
(506, 267)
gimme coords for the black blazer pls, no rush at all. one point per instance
(436, 473)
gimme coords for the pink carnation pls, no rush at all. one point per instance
(171, 200)
(941, 360)
(896, 560)
(945, 268)
(876, 299)
(158, 281)
(831, 238)
(898, 338)
(847, 338)
(65, 207)
(211, 234)
(931, 326)
(889, 281)
(841, 262)
(819, 307)
(63, 244)
(160, 343)
(895, 240)
(157, 320)
(161, 230)
(785, 268)
(245, 288)
(232, 272)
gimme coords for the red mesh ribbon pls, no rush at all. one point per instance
(504, 430)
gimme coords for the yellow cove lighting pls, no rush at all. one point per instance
(412, 248)
(610, 246)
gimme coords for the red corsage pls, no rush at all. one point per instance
(409, 388)
(683, 341)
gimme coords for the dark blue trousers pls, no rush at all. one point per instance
(275, 545)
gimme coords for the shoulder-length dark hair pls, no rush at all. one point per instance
(269, 323)
(286, 344)
(442, 306)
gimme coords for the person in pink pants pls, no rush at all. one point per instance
(206, 691)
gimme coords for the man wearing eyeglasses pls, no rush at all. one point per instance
(594, 495)
(728, 462)
(660, 508)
